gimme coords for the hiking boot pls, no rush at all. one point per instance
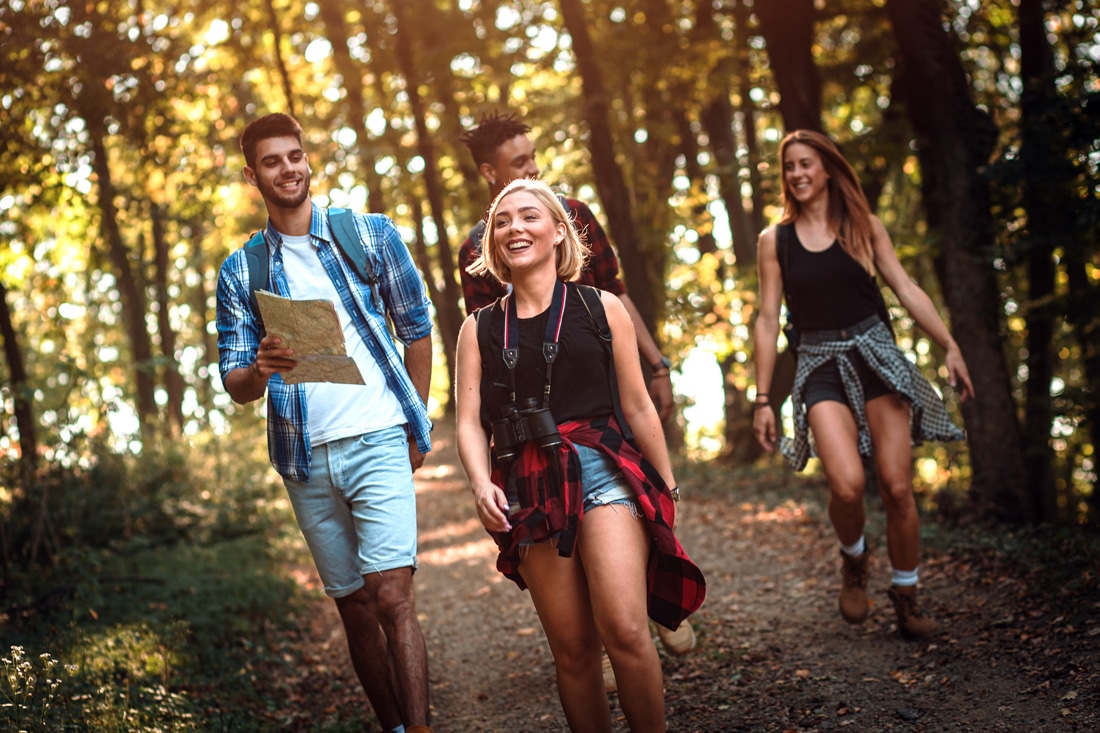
(609, 683)
(911, 621)
(678, 642)
(854, 572)
(418, 729)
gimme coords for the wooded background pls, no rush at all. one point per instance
(974, 127)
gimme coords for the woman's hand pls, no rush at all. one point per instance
(957, 374)
(763, 426)
(492, 508)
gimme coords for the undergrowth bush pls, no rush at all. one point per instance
(158, 583)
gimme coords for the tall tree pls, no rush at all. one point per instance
(450, 319)
(955, 142)
(1047, 177)
(20, 391)
(788, 28)
(610, 182)
(173, 382)
(277, 49)
(334, 16)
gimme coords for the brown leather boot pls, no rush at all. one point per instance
(911, 621)
(609, 683)
(678, 642)
(419, 729)
(854, 572)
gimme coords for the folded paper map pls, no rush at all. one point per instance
(311, 328)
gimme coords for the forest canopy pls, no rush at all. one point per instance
(973, 127)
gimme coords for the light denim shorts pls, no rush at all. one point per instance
(357, 511)
(602, 483)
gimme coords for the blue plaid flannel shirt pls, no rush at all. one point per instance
(401, 289)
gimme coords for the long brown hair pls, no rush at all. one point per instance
(849, 213)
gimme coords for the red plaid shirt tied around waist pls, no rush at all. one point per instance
(675, 584)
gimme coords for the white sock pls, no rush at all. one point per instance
(398, 729)
(854, 550)
(905, 577)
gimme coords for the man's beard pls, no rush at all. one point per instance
(275, 195)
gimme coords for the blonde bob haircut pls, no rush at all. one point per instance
(849, 213)
(572, 253)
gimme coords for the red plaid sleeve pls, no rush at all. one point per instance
(602, 270)
(676, 586)
(478, 291)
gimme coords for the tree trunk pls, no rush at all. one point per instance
(92, 104)
(443, 85)
(173, 382)
(280, 63)
(788, 28)
(1046, 171)
(20, 391)
(130, 292)
(717, 119)
(610, 182)
(447, 310)
(334, 16)
(955, 141)
(747, 110)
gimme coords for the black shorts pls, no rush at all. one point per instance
(824, 383)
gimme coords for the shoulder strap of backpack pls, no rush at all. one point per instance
(481, 315)
(783, 254)
(590, 296)
(255, 253)
(476, 234)
(347, 239)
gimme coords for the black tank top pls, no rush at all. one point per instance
(579, 387)
(827, 289)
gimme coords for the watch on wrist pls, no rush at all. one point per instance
(664, 363)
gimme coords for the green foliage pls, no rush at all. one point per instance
(166, 574)
(29, 689)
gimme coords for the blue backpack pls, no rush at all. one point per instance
(347, 240)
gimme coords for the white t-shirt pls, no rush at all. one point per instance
(338, 411)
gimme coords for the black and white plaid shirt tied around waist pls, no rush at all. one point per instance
(928, 420)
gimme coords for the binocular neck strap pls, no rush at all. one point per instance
(549, 340)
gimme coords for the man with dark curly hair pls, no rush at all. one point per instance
(503, 152)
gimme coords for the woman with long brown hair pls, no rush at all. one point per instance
(855, 394)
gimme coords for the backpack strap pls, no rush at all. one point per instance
(476, 234)
(481, 316)
(255, 253)
(782, 251)
(590, 296)
(347, 239)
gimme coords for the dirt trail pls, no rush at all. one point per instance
(773, 653)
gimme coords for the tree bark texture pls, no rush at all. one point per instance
(610, 182)
(955, 142)
(20, 391)
(788, 28)
(280, 62)
(334, 16)
(173, 381)
(447, 311)
(1046, 172)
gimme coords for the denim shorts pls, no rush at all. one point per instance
(357, 511)
(602, 484)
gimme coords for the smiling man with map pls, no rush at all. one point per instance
(347, 421)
